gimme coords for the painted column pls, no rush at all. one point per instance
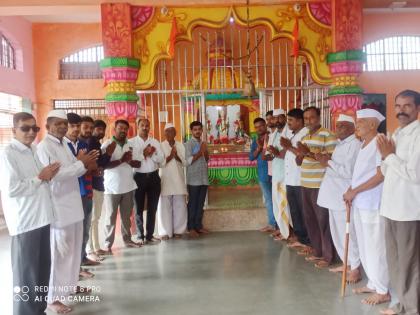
(346, 62)
(119, 69)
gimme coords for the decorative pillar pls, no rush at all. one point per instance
(119, 69)
(346, 62)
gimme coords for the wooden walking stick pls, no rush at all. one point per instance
(346, 250)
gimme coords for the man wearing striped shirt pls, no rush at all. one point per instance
(318, 141)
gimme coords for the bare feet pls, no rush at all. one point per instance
(279, 238)
(275, 233)
(376, 298)
(313, 258)
(94, 257)
(177, 236)
(203, 231)
(59, 308)
(388, 311)
(363, 290)
(101, 252)
(338, 269)
(268, 229)
(88, 262)
(305, 251)
(131, 244)
(296, 245)
(193, 234)
(322, 264)
(83, 274)
(354, 276)
(164, 238)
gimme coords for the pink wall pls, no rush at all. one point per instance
(18, 82)
(378, 26)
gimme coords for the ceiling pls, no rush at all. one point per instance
(88, 11)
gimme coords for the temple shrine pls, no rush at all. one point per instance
(174, 65)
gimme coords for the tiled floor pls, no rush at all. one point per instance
(222, 273)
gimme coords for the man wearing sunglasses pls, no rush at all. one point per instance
(28, 211)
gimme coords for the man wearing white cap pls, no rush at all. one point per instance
(67, 229)
(172, 209)
(149, 153)
(400, 205)
(280, 206)
(365, 196)
(336, 181)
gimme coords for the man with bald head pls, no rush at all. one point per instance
(364, 195)
(336, 181)
(148, 151)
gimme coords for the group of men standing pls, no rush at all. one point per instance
(311, 178)
(53, 195)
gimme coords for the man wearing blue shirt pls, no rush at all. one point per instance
(264, 179)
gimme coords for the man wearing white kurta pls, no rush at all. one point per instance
(280, 205)
(336, 181)
(365, 195)
(400, 205)
(67, 229)
(28, 211)
(172, 210)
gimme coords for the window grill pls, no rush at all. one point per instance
(83, 64)
(7, 53)
(393, 53)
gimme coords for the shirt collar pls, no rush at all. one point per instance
(55, 139)
(409, 128)
(348, 139)
(69, 141)
(118, 142)
(20, 146)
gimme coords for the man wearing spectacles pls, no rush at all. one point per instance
(28, 211)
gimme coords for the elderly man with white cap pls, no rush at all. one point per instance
(172, 209)
(365, 196)
(335, 183)
(67, 229)
(277, 153)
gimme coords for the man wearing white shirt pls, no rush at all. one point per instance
(336, 181)
(119, 186)
(149, 153)
(365, 197)
(400, 205)
(28, 211)
(172, 212)
(281, 210)
(292, 176)
(67, 228)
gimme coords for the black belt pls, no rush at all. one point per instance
(147, 174)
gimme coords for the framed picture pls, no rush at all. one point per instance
(377, 102)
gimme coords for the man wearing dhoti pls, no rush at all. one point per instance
(172, 210)
(280, 206)
(400, 204)
(67, 229)
(365, 196)
(336, 181)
